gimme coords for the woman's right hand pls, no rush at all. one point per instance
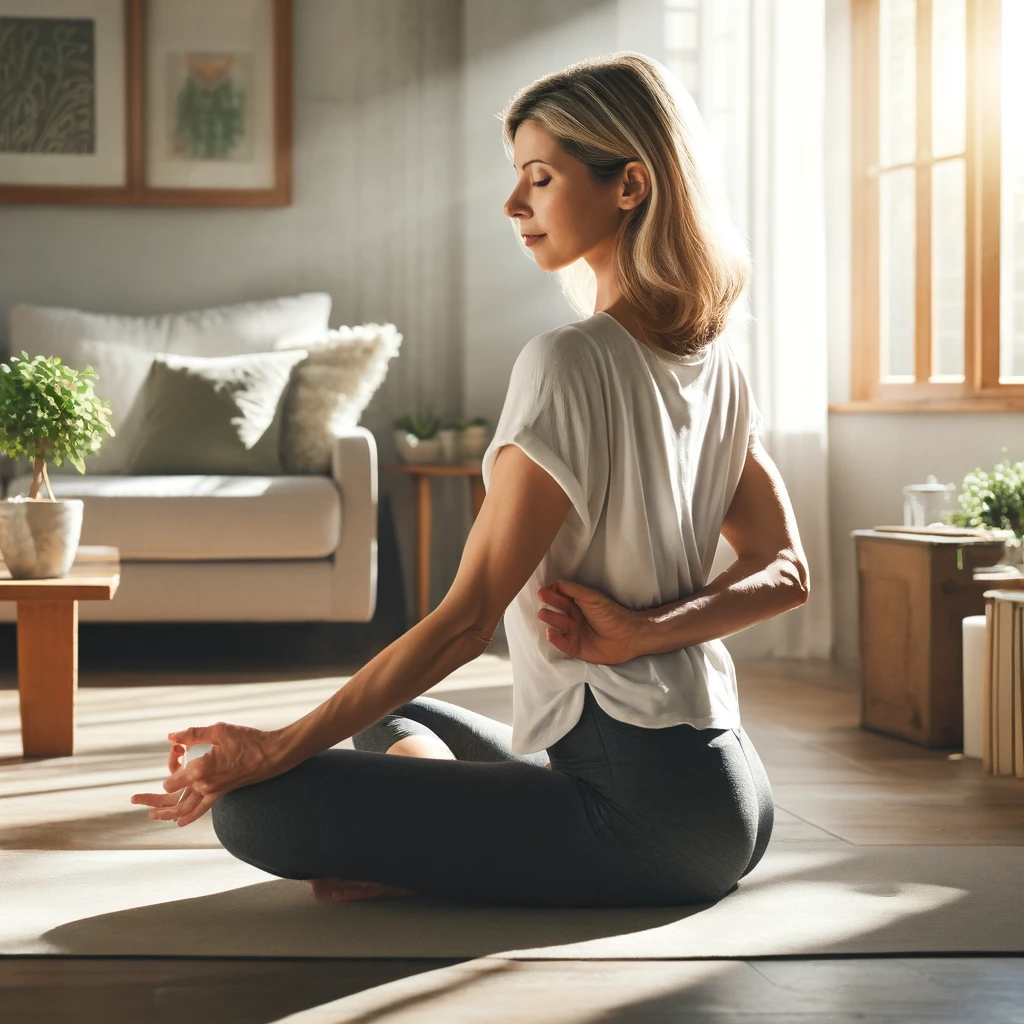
(588, 624)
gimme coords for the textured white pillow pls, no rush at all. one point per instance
(329, 390)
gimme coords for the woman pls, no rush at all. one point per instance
(627, 443)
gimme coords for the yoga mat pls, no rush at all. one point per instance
(805, 899)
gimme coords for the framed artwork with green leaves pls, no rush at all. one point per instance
(146, 102)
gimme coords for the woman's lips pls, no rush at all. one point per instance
(530, 239)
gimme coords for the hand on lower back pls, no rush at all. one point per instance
(587, 624)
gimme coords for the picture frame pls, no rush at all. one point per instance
(215, 88)
(196, 110)
(64, 134)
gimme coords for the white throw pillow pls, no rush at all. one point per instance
(329, 390)
(121, 371)
(216, 331)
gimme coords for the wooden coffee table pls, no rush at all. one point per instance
(48, 645)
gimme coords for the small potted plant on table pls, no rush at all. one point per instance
(474, 440)
(996, 500)
(48, 413)
(416, 439)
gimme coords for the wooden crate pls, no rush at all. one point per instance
(914, 592)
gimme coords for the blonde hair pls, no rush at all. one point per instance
(680, 260)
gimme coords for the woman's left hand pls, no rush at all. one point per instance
(239, 757)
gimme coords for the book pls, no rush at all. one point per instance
(1004, 689)
(1018, 693)
(986, 685)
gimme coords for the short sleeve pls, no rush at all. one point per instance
(749, 409)
(554, 412)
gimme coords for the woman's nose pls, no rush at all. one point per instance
(513, 205)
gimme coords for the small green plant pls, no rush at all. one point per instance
(477, 421)
(423, 427)
(993, 499)
(49, 412)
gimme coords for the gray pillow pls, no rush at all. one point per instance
(218, 414)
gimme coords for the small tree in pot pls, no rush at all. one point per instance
(49, 412)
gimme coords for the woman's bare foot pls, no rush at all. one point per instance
(328, 889)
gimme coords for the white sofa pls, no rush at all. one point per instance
(298, 548)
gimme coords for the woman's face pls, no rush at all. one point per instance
(556, 197)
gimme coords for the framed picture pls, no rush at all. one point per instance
(146, 102)
(64, 120)
(217, 102)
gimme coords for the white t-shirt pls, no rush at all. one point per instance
(649, 448)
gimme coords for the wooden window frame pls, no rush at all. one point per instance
(981, 390)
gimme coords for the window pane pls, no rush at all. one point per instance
(948, 281)
(897, 61)
(896, 286)
(949, 76)
(1011, 202)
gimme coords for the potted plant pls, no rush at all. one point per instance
(474, 440)
(449, 436)
(995, 500)
(48, 413)
(416, 438)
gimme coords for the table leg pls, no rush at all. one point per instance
(476, 484)
(47, 676)
(423, 546)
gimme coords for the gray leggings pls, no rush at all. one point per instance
(626, 816)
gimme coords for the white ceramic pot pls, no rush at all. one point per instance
(474, 443)
(451, 447)
(39, 539)
(417, 450)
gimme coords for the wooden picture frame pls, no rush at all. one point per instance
(24, 176)
(152, 175)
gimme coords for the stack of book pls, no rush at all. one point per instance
(1003, 694)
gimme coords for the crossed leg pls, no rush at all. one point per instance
(422, 742)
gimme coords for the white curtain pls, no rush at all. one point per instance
(761, 91)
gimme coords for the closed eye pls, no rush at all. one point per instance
(541, 184)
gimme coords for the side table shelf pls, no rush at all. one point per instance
(422, 475)
(48, 645)
(914, 592)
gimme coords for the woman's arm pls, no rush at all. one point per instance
(769, 576)
(520, 516)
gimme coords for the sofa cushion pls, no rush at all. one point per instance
(200, 518)
(121, 370)
(216, 331)
(219, 414)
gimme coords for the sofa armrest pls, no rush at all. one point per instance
(354, 470)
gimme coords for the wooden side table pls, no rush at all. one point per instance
(422, 475)
(914, 592)
(48, 645)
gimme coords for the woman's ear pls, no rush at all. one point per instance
(636, 185)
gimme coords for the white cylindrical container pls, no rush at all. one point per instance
(974, 636)
(38, 537)
(449, 438)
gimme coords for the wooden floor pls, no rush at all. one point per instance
(832, 780)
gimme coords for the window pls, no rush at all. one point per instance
(938, 205)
